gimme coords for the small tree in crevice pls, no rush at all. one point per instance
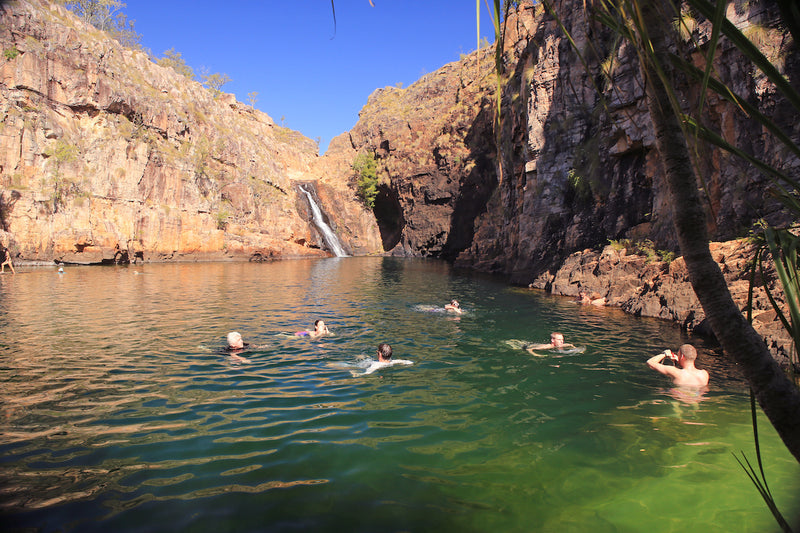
(366, 169)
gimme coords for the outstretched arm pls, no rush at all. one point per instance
(531, 347)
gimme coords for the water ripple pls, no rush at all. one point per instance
(119, 411)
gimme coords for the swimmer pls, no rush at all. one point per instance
(685, 374)
(320, 329)
(385, 359)
(593, 299)
(384, 353)
(454, 306)
(5, 254)
(556, 343)
(235, 346)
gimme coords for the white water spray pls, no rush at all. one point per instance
(327, 233)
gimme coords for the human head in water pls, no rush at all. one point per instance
(455, 303)
(557, 339)
(384, 352)
(235, 341)
(319, 326)
(688, 352)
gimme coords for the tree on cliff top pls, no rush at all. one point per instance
(105, 15)
(213, 81)
(173, 60)
(366, 169)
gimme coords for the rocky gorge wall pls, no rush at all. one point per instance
(578, 166)
(575, 172)
(107, 156)
(434, 148)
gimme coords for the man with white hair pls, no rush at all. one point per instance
(235, 341)
(236, 345)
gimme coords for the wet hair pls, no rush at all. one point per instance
(557, 333)
(233, 338)
(316, 322)
(688, 352)
(385, 350)
(454, 303)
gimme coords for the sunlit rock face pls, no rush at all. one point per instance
(644, 285)
(434, 148)
(579, 166)
(107, 156)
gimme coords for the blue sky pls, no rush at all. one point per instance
(309, 77)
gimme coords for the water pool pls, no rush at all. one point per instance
(121, 413)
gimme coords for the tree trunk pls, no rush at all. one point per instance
(776, 394)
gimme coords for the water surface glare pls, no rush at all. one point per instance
(120, 412)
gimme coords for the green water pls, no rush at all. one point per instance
(120, 412)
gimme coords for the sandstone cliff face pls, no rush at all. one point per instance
(574, 173)
(578, 173)
(433, 143)
(105, 155)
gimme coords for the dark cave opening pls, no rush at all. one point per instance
(389, 215)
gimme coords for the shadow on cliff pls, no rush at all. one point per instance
(389, 215)
(578, 194)
(465, 202)
(476, 188)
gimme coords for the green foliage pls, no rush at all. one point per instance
(580, 185)
(62, 152)
(252, 98)
(105, 15)
(222, 217)
(173, 60)
(782, 247)
(10, 53)
(366, 169)
(214, 81)
(644, 248)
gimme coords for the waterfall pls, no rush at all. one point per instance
(327, 233)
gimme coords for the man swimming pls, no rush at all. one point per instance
(385, 359)
(684, 375)
(556, 343)
(235, 346)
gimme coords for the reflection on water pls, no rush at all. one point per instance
(119, 412)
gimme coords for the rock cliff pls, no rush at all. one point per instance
(579, 172)
(433, 143)
(107, 156)
(578, 166)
